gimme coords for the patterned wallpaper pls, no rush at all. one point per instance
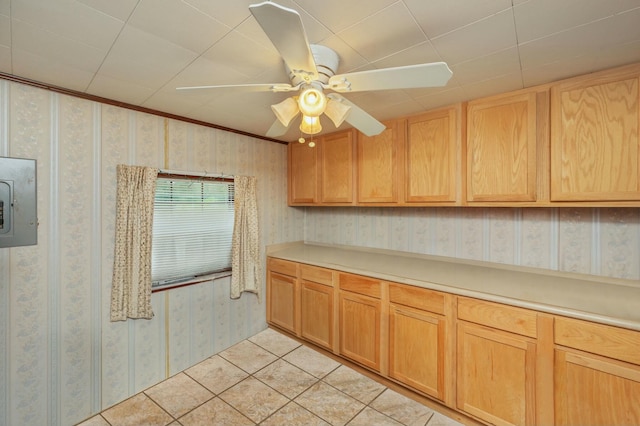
(61, 359)
(595, 241)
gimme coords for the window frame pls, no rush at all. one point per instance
(204, 277)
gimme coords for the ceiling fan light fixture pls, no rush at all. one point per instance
(310, 125)
(337, 111)
(285, 111)
(312, 102)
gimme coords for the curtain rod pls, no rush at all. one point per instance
(195, 174)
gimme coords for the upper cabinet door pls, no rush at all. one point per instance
(303, 174)
(594, 137)
(501, 148)
(432, 166)
(378, 165)
(337, 174)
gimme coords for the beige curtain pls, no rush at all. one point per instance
(245, 249)
(131, 286)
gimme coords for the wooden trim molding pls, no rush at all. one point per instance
(95, 98)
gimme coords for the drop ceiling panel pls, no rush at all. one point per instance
(124, 90)
(346, 14)
(160, 18)
(481, 38)
(43, 69)
(244, 55)
(438, 17)
(55, 49)
(533, 17)
(119, 9)
(69, 19)
(486, 67)
(384, 33)
(589, 39)
(231, 13)
(144, 59)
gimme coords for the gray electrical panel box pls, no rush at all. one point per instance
(18, 211)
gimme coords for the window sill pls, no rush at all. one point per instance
(192, 281)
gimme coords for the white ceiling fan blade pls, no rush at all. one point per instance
(277, 129)
(358, 118)
(434, 74)
(284, 27)
(268, 87)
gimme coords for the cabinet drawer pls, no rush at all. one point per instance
(507, 318)
(417, 297)
(361, 285)
(282, 266)
(317, 275)
(600, 339)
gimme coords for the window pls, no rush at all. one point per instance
(192, 229)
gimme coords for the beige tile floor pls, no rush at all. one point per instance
(271, 380)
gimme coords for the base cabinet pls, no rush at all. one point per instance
(597, 374)
(500, 364)
(282, 291)
(592, 390)
(360, 329)
(317, 306)
(416, 355)
(496, 375)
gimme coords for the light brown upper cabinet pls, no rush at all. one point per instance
(303, 174)
(379, 170)
(323, 174)
(501, 148)
(337, 163)
(432, 157)
(595, 128)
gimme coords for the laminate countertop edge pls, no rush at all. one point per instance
(599, 299)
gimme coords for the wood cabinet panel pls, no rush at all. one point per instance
(595, 137)
(378, 165)
(316, 274)
(283, 266)
(501, 148)
(612, 342)
(417, 349)
(495, 315)
(360, 329)
(337, 168)
(359, 284)
(282, 296)
(316, 318)
(432, 157)
(416, 297)
(304, 174)
(496, 375)
(591, 390)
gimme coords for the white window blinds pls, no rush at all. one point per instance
(192, 229)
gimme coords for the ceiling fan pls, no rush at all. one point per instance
(312, 71)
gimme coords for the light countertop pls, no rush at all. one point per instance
(606, 300)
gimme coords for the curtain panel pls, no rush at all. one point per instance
(245, 248)
(131, 286)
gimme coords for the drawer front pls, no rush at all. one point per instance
(283, 266)
(359, 284)
(317, 275)
(416, 297)
(600, 339)
(507, 318)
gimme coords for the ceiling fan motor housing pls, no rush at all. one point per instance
(327, 61)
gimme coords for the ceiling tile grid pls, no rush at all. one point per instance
(139, 51)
